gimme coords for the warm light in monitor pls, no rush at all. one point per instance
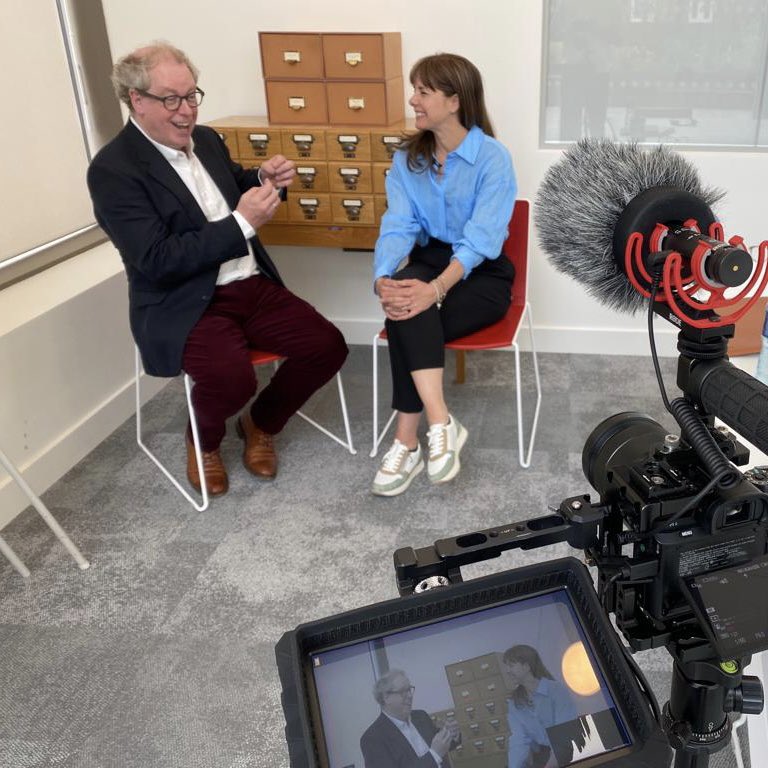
(577, 671)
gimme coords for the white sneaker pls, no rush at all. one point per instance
(445, 444)
(398, 468)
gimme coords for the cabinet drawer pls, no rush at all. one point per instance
(304, 144)
(310, 208)
(348, 144)
(229, 137)
(459, 673)
(311, 177)
(258, 143)
(362, 57)
(350, 177)
(384, 143)
(291, 55)
(487, 666)
(364, 103)
(352, 209)
(465, 693)
(295, 102)
(379, 172)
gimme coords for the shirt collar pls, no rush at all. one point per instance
(401, 724)
(470, 146)
(169, 153)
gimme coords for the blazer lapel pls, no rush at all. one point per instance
(162, 172)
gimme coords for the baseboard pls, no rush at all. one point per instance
(599, 341)
(50, 464)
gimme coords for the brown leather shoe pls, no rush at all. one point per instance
(216, 480)
(259, 456)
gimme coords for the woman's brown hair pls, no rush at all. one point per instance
(451, 75)
(524, 654)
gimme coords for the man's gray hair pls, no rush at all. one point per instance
(382, 685)
(132, 70)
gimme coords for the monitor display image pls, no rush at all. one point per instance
(515, 685)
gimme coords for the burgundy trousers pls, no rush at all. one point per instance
(257, 313)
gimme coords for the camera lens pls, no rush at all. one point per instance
(620, 440)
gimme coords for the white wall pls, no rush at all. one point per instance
(47, 429)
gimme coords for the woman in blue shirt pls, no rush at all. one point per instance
(537, 702)
(450, 194)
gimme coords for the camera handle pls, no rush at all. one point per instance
(576, 522)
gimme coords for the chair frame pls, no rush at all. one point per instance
(48, 518)
(518, 230)
(257, 358)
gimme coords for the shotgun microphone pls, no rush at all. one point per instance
(611, 215)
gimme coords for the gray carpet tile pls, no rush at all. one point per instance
(161, 654)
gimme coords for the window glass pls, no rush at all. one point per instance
(688, 72)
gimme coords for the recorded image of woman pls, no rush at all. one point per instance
(536, 702)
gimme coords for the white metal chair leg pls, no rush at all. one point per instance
(44, 512)
(344, 443)
(202, 505)
(525, 457)
(377, 438)
(13, 558)
(348, 444)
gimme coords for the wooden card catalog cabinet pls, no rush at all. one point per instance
(337, 78)
(338, 196)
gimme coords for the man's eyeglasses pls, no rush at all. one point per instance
(173, 102)
(403, 691)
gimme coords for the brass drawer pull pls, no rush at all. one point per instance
(303, 141)
(350, 177)
(307, 176)
(292, 57)
(352, 208)
(259, 141)
(296, 102)
(348, 143)
(356, 103)
(353, 58)
(309, 206)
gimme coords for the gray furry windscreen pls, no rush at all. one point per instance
(580, 201)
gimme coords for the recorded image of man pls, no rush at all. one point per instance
(403, 737)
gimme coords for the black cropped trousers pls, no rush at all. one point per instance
(419, 342)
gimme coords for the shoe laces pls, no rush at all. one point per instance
(437, 437)
(394, 457)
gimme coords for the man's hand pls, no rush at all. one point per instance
(278, 170)
(258, 204)
(441, 741)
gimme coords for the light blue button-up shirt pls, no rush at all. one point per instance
(552, 705)
(469, 205)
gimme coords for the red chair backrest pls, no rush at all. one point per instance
(516, 249)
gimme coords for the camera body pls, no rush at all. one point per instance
(676, 524)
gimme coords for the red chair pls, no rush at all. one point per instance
(497, 336)
(257, 358)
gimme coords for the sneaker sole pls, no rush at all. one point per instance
(461, 438)
(397, 490)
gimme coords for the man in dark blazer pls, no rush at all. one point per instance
(403, 737)
(202, 289)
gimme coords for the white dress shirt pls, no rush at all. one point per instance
(415, 739)
(208, 196)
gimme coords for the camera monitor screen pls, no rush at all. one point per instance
(511, 685)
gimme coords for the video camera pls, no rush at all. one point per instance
(679, 540)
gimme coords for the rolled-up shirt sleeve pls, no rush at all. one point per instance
(484, 232)
(399, 226)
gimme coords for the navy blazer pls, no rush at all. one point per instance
(171, 252)
(384, 746)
